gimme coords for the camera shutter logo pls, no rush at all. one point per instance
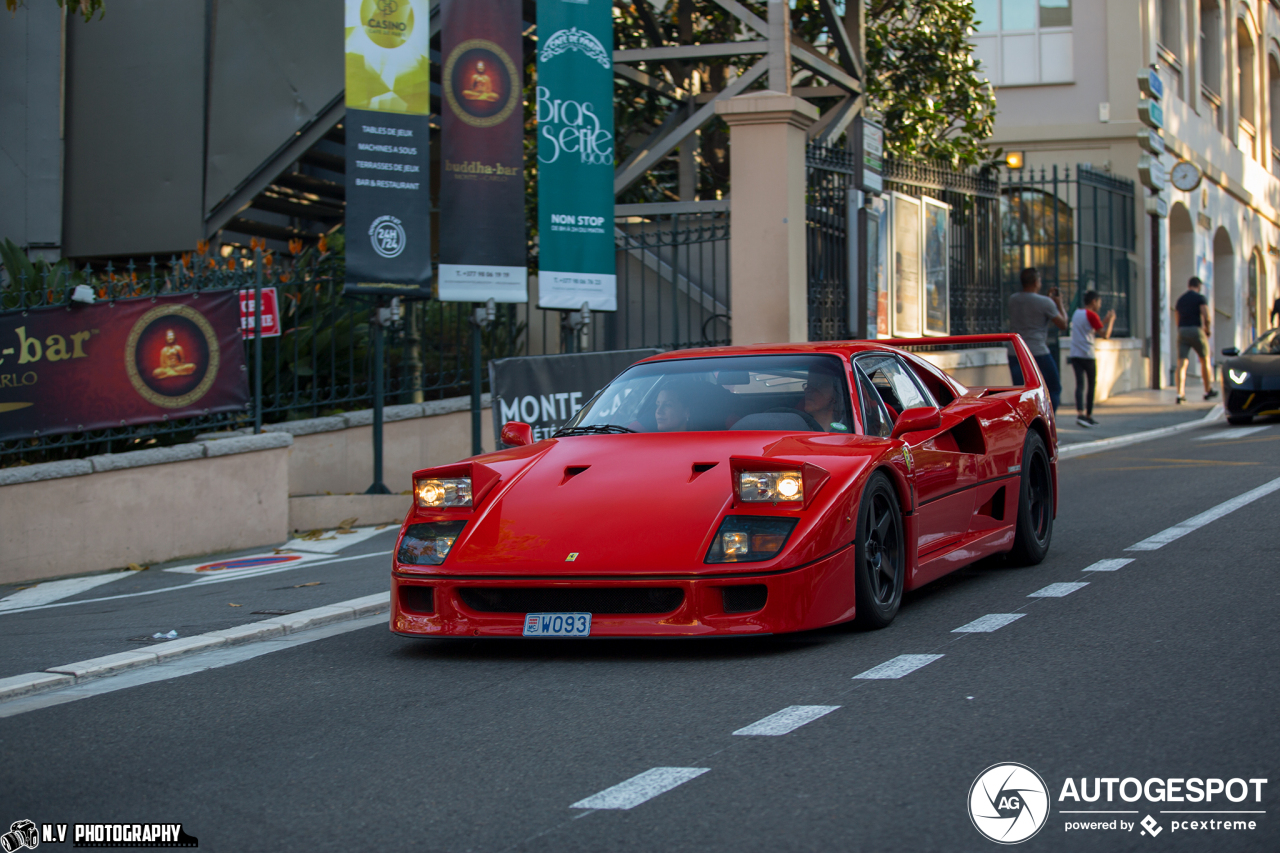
(22, 833)
(387, 235)
(1008, 803)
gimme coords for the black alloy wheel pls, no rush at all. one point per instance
(879, 554)
(1035, 503)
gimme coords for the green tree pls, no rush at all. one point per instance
(86, 8)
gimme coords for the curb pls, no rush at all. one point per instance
(1084, 448)
(66, 675)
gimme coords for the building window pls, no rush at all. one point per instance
(1273, 88)
(1211, 62)
(1023, 42)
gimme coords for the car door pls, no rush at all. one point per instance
(943, 477)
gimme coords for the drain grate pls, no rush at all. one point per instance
(273, 612)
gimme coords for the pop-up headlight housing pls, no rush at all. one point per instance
(749, 539)
(428, 544)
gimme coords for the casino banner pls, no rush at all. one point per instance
(482, 229)
(388, 77)
(575, 156)
(132, 361)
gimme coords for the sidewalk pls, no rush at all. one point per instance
(1124, 414)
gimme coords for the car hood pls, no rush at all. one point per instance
(1257, 364)
(636, 504)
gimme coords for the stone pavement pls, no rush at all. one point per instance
(1124, 414)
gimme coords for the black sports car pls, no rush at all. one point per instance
(1251, 379)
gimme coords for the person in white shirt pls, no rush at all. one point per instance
(1086, 325)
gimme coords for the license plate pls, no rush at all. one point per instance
(557, 625)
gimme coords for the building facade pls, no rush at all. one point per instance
(1066, 78)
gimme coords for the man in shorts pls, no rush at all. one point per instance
(1030, 315)
(1192, 311)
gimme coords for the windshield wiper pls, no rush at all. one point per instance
(598, 429)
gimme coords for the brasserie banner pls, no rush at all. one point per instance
(544, 391)
(112, 364)
(482, 234)
(388, 216)
(575, 155)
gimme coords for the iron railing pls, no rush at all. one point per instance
(830, 212)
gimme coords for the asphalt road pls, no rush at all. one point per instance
(1162, 668)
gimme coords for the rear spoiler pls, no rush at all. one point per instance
(1026, 379)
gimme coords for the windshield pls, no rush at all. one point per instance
(1268, 344)
(794, 393)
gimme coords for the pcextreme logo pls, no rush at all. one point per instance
(1009, 803)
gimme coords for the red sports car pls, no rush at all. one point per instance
(733, 491)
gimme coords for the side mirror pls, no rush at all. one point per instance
(1230, 351)
(516, 434)
(915, 420)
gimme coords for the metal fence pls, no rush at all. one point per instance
(830, 211)
(673, 292)
(1079, 230)
(976, 301)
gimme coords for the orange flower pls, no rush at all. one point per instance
(284, 279)
(295, 246)
(213, 263)
(323, 245)
(186, 260)
(133, 277)
(202, 247)
(231, 263)
(102, 292)
(267, 260)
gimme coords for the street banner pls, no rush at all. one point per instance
(575, 155)
(388, 218)
(131, 361)
(544, 391)
(482, 234)
(270, 314)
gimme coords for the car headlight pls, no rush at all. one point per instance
(771, 486)
(428, 544)
(1238, 376)
(435, 493)
(749, 539)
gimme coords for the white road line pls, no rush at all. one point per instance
(1110, 565)
(787, 720)
(1164, 537)
(183, 666)
(641, 788)
(1228, 434)
(899, 666)
(1058, 590)
(990, 622)
(202, 582)
(51, 591)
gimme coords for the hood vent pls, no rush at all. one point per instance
(573, 471)
(701, 468)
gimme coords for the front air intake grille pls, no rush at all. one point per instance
(576, 600)
(744, 599)
(418, 599)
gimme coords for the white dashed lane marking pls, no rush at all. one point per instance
(51, 591)
(787, 720)
(641, 788)
(1164, 537)
(1058, 590)
(1110, 565)
(899, 666)
(990, 622)
(1228, 434)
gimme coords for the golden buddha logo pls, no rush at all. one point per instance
(480, 83)
(172, 356)
(387, 23)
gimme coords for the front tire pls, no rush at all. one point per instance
(879, 554)
(1035, 503)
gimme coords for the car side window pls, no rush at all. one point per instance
(875, 418)
(895, 384)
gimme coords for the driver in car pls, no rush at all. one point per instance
(822, 401)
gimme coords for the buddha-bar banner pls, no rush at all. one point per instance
(482, 235)
(575, 155)
(112, 364)
(388, 218)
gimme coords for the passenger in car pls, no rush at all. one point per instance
(675, 404)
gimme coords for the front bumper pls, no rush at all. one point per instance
(1242, 401)
(811, 596)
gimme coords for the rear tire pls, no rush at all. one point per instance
(1239, 420)
(1035, 504)
(880, 555)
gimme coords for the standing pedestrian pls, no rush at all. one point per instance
(1086, 327)
(1030, 315)
(1192, 311)
(1274, 316)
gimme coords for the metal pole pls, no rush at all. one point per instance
(1156, 314)
(476, 449)
(375, 329)
(257, 341)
